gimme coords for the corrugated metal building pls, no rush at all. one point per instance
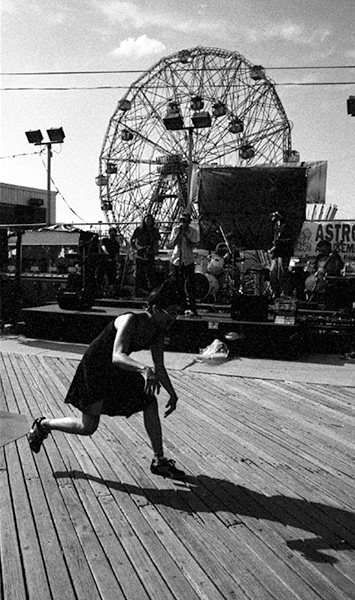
(20, 205)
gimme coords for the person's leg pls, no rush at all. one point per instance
(274, 277)
(153, 428)
(191, 285)
(139, 277)
(41, 427)
(177, 274)
(86, 425)
(160, 465)
(285, 276)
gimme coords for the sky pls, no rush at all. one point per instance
(46, 36)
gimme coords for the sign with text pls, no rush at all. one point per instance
(340, 233)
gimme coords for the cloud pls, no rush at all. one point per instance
(141, 46)
(289, 32)
(124, 12)
(131, 15)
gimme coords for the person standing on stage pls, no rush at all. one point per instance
(281, 253)
(145, 243)
(110, 247)
(327, 262)
(184, 238)
(109, 381)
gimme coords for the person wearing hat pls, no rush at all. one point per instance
(183, 240)
(280, 253)
(110, 381)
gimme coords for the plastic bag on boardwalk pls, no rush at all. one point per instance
(217, 351)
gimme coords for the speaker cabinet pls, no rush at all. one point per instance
(249, 308)
(339, 293)
(70, 300)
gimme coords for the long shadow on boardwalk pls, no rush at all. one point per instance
(333, 527)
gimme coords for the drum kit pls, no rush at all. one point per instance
(215, 275)
(212, 275)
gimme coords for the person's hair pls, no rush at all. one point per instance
(163, 296)
(112, 230)
(185, 217)
(324, 244)
(276, 216)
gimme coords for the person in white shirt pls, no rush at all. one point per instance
(184, 238)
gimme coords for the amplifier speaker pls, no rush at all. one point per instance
(339, 293)
(74, 300)
(249, 308)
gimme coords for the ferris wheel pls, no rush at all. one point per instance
(203, 106)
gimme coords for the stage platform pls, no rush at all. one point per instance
(188, 334)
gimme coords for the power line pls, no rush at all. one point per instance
(23, 154)
(125, 87)
(123, 71)
(60, 194)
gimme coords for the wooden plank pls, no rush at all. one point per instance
(58, 540)
(282, 441)
(12, 576)
(70, 546)
(194, 433)
(189, 591)
(212, 541)
(34, 566)
(130, 520)
(260, 516)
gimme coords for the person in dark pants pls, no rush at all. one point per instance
(109, 381)
(280, 253)
(145, 243)
(183, 239)
(110, 249)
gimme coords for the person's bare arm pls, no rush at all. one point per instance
(157, 351)
(121, 353)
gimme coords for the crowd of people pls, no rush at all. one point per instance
(143, 250)
(184, 239)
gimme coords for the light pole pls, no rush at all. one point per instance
(56, 136)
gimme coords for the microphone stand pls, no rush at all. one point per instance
(225, 239)
(232, 254)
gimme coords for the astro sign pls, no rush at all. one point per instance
(341, 235)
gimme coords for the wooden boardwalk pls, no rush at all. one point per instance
(267, 510)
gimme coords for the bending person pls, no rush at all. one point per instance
(109, 381)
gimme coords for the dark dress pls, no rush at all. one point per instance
(96, 378)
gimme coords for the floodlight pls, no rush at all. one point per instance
(35, 136)
(351, 106)
(56, 135)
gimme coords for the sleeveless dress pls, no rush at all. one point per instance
(97, 379)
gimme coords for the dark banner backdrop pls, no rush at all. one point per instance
(240, 199)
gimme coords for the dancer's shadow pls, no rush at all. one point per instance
(334, 527)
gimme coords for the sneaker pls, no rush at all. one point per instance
(166, 468)
(37, 435)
